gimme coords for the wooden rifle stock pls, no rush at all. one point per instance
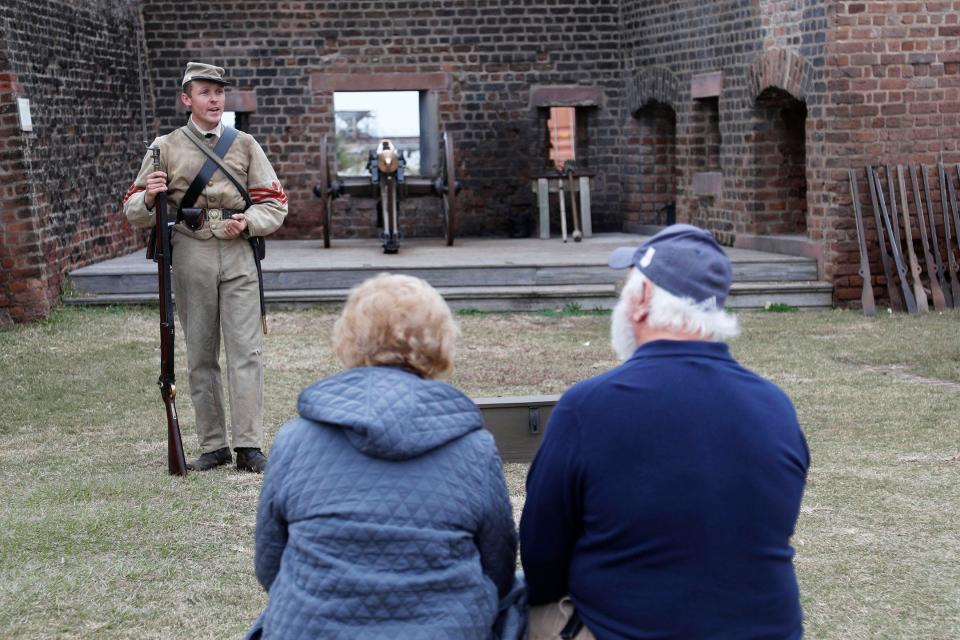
(176, 463)
(939, 301)
(919, 293)
(934, 241)
(953, 267)
(896, 302)
(907, 295)
(866, 296)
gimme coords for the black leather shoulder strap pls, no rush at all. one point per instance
(209, 167)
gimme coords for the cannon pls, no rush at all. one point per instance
(388, 183)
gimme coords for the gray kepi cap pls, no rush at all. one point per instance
(203, 71)
(683, 260)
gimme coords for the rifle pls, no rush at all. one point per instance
(939, 302)
(952, 264)
(919, 293)
(908, 299)
(569, 168)
(176, 463)
(934, 241)
(896, 302)
(866, 296)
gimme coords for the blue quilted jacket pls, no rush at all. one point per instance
(383, 514)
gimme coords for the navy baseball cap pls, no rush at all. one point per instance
(683, 260)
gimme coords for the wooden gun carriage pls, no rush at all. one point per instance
(388, 183)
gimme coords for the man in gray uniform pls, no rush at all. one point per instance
(215, 276)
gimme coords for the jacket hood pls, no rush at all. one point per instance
(390, 413)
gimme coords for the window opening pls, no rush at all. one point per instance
(562, 130)
(781, 176)
(650, 162)
(706, 134)
(364, 118)
(239, 120)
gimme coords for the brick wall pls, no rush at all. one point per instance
(482, 57)
(739, 156)
(665, 45)
(747, 115)
(15, 215)
(893, 77)
(62, 182)
(649, 166)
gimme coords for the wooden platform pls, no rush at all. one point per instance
(481, 273)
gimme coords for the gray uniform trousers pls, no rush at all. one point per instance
(216, 288)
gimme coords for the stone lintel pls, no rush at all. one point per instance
(567, 95)
(241, 101)
(708, 183)
(328, 82)
(706, 85)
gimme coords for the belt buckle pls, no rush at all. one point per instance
(214, 214)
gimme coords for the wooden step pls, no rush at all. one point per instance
(142, 279)
(743, 295)
(481, 273)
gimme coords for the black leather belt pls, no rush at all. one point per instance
(195, 217)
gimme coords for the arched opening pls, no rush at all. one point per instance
(650, 166)
(780, 188)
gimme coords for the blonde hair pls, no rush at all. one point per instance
(396, 320)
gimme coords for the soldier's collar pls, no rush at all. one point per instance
(217, 131)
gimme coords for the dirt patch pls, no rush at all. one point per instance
(902, 372)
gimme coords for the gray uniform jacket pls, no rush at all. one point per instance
(181, 160)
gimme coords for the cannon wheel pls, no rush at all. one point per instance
(326, 201)
(449, 195)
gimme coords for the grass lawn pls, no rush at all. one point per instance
(97, 541)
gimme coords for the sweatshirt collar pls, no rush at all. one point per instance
(674, 348)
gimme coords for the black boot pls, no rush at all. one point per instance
(251, 459)
(210, 460)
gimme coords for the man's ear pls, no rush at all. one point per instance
(640, 303)
(185, 100)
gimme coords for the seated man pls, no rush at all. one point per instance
(663, 498)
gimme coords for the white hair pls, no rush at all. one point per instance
(667, 311)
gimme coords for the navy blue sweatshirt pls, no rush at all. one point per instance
(663, 499)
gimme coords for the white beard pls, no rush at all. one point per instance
(621, 330)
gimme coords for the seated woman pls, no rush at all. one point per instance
(384, 512)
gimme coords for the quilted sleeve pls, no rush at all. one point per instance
(497, 536)
(271, 536)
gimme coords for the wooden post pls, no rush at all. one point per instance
(586, 224)
(543, 201)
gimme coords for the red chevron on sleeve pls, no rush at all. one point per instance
(273, 192)
(132, 190)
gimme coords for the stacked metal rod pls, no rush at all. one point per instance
(902, 270)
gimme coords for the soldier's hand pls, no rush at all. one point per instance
(156, 183)
(235, 225)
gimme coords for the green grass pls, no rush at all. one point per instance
(780, 307)
(97, 541)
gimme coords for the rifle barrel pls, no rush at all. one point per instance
(176, 462)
